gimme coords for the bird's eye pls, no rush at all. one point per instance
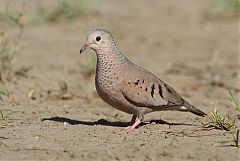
(98, 38)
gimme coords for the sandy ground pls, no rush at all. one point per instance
(178, 41)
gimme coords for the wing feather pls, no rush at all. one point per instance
(150, 93)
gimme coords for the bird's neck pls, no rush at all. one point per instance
(110, 56)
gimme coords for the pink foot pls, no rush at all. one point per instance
(133, 120)
(130, 128)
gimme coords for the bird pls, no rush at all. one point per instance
(128, 87)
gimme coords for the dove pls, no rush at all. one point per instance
(128, 87)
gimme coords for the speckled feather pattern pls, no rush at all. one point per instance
(128, 87)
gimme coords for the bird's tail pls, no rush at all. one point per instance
(193, 109)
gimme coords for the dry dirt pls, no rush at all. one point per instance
(179, 41)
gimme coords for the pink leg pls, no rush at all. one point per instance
(134, 123)
(133, 120)
(137, 122)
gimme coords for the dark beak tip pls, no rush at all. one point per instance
(81, 50)
(84, 48)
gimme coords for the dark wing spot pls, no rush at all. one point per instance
(146, 89)
(140, 87)
(129, 83)
(160, 90)
(143, 81)
(152, 91)
(168, 88)
(136, 83)
(138, 93)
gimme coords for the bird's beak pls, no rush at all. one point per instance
(84, 47)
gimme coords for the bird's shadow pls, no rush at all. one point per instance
(106, 122)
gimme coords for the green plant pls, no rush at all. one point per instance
(221, 7)
(3, 92)
(233, 141)
(8, 46)
(236, 138)
(227, 122)
(234, 103)
(219, 122)
(64, 9)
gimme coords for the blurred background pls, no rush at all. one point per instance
(194, 42)
(192, 45)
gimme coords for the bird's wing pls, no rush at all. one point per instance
(150, 92)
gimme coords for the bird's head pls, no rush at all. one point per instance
(97, 40)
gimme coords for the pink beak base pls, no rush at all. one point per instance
(84, 48)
